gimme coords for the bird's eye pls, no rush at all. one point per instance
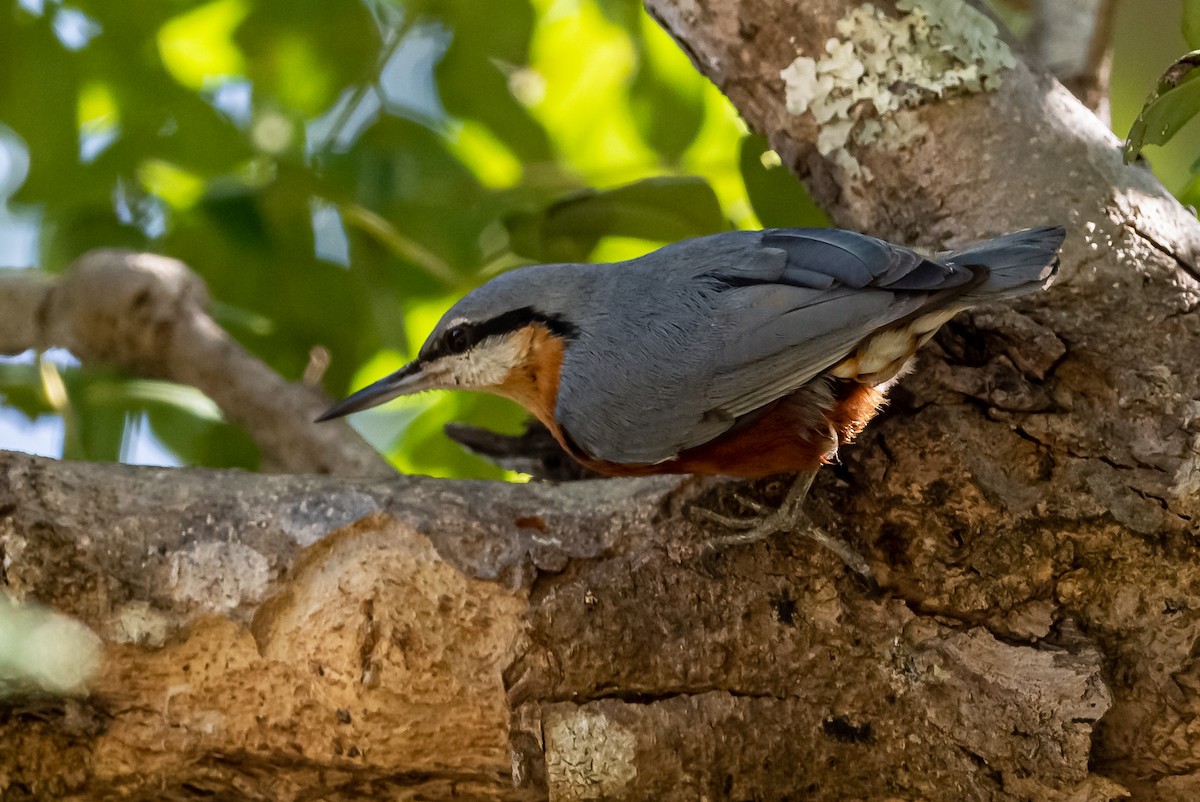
(458, 340)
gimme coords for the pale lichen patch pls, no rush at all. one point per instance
(878, 69)
(589, 756)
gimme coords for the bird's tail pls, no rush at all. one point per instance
(1017, 263)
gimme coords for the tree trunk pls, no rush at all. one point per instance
(1028, 505)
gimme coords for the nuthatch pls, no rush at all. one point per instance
(746, 354)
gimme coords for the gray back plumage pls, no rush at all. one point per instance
(672, 348)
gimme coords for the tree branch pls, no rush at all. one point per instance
(953, 495)
(330, 636)
(147, 315)
(1073, 38)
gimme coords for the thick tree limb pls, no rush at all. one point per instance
(1093, 458)
(328, 637)
(147, 314)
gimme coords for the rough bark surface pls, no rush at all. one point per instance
(304, 637)
(1028, 504)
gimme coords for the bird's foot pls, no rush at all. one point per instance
(788, 517)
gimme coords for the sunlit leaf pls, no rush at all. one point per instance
(1174, 102)
(489, 158)
(173, 184)
(197, 46)
(97, 107)
(714, 155)
(587, 63)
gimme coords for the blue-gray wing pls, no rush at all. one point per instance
(714, 328)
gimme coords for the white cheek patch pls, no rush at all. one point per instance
(485, 366)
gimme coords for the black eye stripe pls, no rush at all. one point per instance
(459, 338)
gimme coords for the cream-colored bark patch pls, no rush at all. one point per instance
(373, 653)
(588, 756)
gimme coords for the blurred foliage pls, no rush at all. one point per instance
(339, 171)
(1191, 23)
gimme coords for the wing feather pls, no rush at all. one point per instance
(728, 324)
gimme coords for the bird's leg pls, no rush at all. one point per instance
(788, 517)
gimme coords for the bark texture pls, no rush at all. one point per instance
(1028, 504)
(303, 637)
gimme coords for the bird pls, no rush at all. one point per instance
(743, 354)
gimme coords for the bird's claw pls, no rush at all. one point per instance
(788, 517)
(727, 521)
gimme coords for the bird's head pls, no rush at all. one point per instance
(505, 337)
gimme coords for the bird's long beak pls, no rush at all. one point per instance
(409, 379)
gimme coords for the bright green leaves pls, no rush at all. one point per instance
(1174, 101)
(197, 46)
(340, 171)
(666, 100)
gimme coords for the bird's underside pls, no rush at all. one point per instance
(794, 434)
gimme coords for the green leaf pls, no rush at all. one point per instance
(21, 388)
(303, 53)
(487, 57)
(1174, 102)
(95, 415)
(421, 445)
(201, 441)
(1191, 23)
(39, 82)
(778, 197)
(662, 209)
(666, 96)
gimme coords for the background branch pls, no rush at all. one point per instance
(147, 315)
(1073, 38)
